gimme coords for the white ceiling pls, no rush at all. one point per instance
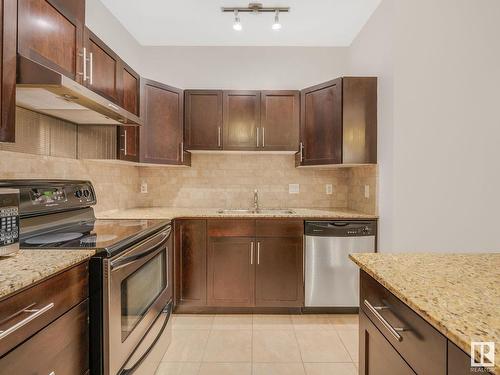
(201, 22)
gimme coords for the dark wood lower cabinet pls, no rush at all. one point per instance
(231, 271)
(377, 356)
(238, 263)
(191, 262)
(278, 279)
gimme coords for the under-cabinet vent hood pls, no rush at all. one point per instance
(46, 91)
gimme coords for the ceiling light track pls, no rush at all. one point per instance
(256, 8)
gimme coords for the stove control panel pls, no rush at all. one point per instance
(9, 221)
(47, 196)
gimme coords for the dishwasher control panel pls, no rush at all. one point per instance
(340, 228)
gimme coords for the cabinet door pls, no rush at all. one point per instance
(241, 113)
(102, 68)
(51, 33)
(376, 355)
(191, 262)
(8, 30)
(128, 136)
(278, 279)
(280, 120)
(161, 135)
(59, 348)
(321, 124)
(231, 271)
(203, 120)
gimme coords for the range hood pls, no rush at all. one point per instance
(46, 91)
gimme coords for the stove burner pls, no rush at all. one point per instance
(45, 239)
(93, 238)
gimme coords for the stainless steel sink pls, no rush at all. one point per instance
(268, 211)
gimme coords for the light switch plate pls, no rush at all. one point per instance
(144, 187)
(329, 189)
(367, 191)
(293, 188)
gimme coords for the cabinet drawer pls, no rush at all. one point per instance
(52, 297)
(231, 228)
(420, 344)
(279, 228)
(60, 348)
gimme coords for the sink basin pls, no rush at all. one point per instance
(268, 211)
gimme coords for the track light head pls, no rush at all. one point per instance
(237, 23)
(276, 24)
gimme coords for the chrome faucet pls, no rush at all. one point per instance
(256, 200)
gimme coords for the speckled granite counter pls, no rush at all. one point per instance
(30, 266)
(459, 294)
(173, 213)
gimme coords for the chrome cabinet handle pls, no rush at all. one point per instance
(251, 252)
(91, 55)
(84, 58)
(263, 136)
(392, 330)
(35, 313)
(52, 373)
(258, 252)
(301, 150)
(219, 144)
(257, 137)
(125, 143)
(182, 152)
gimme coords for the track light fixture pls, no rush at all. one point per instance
(256, 8)
(237, 23)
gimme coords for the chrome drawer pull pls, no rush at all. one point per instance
(52, 373)
(35, 313)
(393, 331)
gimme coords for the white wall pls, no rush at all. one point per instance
(441, 191)
(244, 67)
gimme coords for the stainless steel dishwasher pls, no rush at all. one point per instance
(331, 278)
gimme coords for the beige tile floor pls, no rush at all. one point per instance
(262, 345)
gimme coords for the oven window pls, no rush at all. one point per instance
(140, 290)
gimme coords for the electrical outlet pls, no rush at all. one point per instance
(367, 191)
(329, 189)
(144, 187)
(293, 188)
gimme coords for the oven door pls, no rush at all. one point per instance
(137, 287)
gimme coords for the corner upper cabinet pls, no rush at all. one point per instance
(50, 32)
(338, 122)
(241, 114)
(280, 115)
(8, 25)
(161, 136)
(203, 119)
(103, 68)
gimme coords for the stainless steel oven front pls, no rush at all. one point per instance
(137, 287)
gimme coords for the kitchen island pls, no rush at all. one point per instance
(457, 294)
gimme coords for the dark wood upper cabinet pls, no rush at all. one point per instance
(339, 122)
(321, 124)
(241, 113)
(161, 136)
(51, 33)
(280, 115)
(203, 119)
(8, 26)
(191, 262)
(128, 136)
(103, 69)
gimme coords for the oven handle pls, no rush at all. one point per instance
(167, 310)
(122, 262)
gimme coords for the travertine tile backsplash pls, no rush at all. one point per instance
(228, 180)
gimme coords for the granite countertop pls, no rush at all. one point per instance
(29, 266)
(173, 213)
(459, 294)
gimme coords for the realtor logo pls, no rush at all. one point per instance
(486, 352)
